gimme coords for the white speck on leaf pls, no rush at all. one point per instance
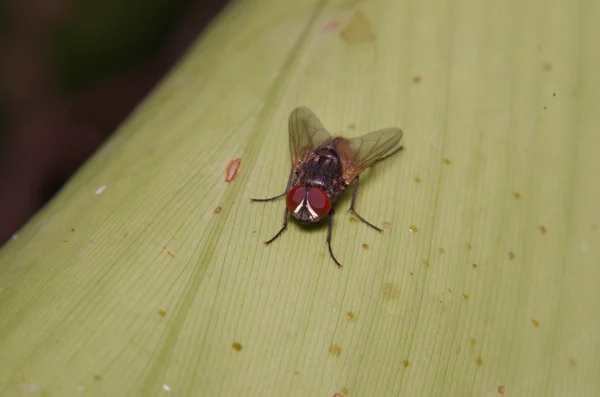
(585, 247)
(33, 388)
(101, 189)
(166, 387)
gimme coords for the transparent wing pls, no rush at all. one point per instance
(306, 133)
(370, 148)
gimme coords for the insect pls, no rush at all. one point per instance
(324, 166)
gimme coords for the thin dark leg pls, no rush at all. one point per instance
(329, 229)
(285, 222)
(354, 211)
(280, 195)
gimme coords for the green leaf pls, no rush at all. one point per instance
(484, 282)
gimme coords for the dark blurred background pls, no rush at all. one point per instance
(70, 72)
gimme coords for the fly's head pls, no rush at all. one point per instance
(309, 204)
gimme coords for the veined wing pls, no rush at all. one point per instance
(369, 149)
(306, 133)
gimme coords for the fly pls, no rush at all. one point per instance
(323, 167)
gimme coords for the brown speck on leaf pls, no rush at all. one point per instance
(365, 246)
(349, 315)
(442, 251)
(338, 395)
(358, 29)
(296, 373)
(72, 230)
(416, 79)
(335, 350)
(171, 254)
(352, 219)
(389, 291)
(352, 126)
(66, 240)
(554, 94)
(236, 346)
(542, 229)
(417, 179)
(501, 389)
(97, 378)
(535, 323)
(405, 363)
(413, 229)
(548, 67)
(161, 312)
(218, 210)
(232, 169)
(386, 225)
(465, 297)
(475, 265)
(447, 161)
(479, 362)
(511, 255)
(516, 195)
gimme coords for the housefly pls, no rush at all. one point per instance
(324, 166)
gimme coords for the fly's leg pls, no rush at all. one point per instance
(285, 222)
(279, 195)
(329, 229)
(354, 211)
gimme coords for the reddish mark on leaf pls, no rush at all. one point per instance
(335, 350)
(365, 246)
(296, 373)
(501, 389)
(170, 254)
(516, 195)
(416, 79)
(232, 170)
(161, 312)
(349, 315)
(511, 255)
(417, 179)
(548, 67)
(542, 229)
(218, 210)
(475, 266)
(330, 26)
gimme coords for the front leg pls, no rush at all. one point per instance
(354, 193)
(329, 229)
(285, 223)
(289, 183)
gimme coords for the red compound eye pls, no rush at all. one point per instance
(319, 201)
(295, 197)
